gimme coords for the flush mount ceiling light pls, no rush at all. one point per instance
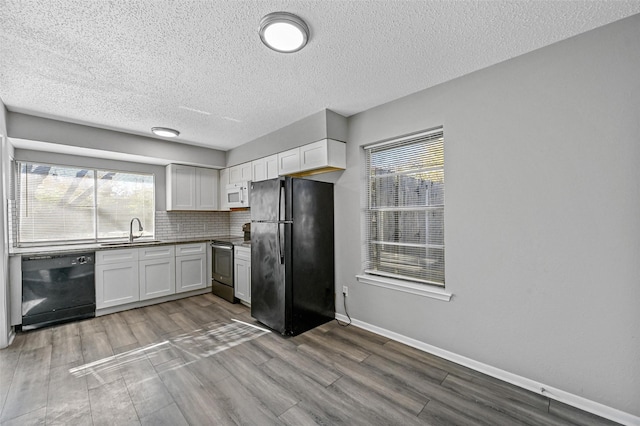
(164, 132)
(283, 32)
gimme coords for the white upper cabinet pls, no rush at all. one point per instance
(289, 161)
(264, 168)
(191, 188)
(240, 173)
(326, 155)
(206, 189)
(271, 163)
(317, 157)
(224, 181)
(181, 182)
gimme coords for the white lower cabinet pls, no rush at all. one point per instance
(242, 273)
(130, 275)
(157, 271)
(116, 277)
(191, 267)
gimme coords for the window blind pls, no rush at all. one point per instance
(404, 214)
(68, 204)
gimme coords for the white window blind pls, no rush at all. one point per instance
(70, 204)
(404, 214)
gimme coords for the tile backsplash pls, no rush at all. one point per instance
(237, 219)
(171, 225)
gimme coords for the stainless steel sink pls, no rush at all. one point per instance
(127, 243)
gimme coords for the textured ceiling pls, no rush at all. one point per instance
(199, 66)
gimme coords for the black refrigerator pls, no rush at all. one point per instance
(292, 254)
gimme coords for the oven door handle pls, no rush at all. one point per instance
(222, 247)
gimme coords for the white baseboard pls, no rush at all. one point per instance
(528, 384)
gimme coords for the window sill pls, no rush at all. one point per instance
(424, 290)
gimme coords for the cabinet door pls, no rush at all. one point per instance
(245, 172)
(271, 166)
(116, 284)
(224, 181)
(242, 273)
(248, 267)
(289, 161)
(235, 174)
(264, 168)
(157, 277)
(240, 279)
(191, 272)
(314, 155)
(206, 189)
(180, 183)
(240, 173)
(258, 170)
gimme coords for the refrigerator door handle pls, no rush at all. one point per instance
(279, 240)
(280, 192)
(280, 252)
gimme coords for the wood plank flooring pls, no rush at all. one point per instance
(203, 361)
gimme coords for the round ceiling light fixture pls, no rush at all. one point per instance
(283, 32)
(165, 132)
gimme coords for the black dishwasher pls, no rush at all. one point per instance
(57, 288)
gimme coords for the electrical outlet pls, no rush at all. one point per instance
(345, 290)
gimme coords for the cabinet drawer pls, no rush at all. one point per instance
(116, 256)
(145, 253)
(188, 249)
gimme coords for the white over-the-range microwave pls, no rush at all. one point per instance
(238, 195)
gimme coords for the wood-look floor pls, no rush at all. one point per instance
(203, 361)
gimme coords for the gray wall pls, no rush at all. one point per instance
(33, 128)
(542, 216)
(321, 125)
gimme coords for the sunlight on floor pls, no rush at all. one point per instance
(201, 343)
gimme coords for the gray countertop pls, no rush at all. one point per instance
(78, 248)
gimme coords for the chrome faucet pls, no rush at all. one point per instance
(131, 237)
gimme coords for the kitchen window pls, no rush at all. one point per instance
(404, 211)
(61, 204)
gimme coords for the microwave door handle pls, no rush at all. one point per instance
(240, 191)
